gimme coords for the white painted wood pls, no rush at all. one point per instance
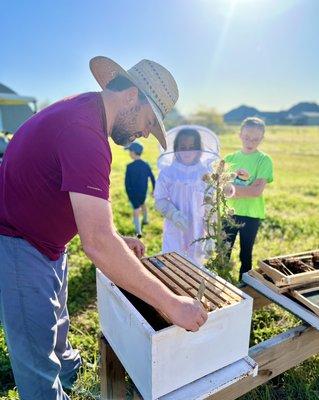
(129, 335)
(283, 301)
(181, 357)
(215, 382)
(160, 362)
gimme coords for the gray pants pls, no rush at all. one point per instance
(34, 315)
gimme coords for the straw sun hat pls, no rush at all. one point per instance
(155, 81)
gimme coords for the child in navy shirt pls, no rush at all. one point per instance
(136, 181)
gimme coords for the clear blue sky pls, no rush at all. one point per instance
(223, 53)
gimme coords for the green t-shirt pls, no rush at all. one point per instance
(259, 166)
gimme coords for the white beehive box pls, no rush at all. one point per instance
(160, 361)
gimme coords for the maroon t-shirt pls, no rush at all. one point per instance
(61, 149)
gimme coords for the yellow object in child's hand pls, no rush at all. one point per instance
(243, 174)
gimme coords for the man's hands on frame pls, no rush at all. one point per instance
(114, 257)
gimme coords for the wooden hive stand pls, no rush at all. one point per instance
(274, 356)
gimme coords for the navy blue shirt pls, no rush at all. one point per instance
(136, 179)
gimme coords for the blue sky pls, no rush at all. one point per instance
(223, 53)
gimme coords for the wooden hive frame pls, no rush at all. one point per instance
(301, 295)
(184, 278)
(281, 279)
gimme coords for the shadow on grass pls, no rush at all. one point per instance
(82, 288)
(6, 375)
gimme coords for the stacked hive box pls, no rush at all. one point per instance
(160, 357)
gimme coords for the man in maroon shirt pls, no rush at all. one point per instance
(54, 183)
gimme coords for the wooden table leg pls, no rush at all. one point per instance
(112, 373)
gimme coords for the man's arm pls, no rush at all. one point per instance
(254, 190)
(112, 256)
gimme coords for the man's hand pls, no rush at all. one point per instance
(187, 313)
(136, 245)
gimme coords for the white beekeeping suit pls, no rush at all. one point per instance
(179, 190)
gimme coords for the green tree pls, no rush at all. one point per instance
(208, 117)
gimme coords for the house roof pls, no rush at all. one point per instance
(14, 99)
(310, 114)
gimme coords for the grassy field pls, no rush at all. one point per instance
(291, 226)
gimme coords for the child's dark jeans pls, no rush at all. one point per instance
(247, 228)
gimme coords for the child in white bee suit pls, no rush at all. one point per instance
(179, 190)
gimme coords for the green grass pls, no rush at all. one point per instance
(291, 226)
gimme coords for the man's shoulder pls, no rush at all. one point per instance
(81, 109)
(69, 102)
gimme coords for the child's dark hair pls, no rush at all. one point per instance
(188, 132)
(120, 83)
(253, 122)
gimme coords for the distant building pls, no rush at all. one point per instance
(236, 115)
(14, 109)
(305, 118)
(300, 114)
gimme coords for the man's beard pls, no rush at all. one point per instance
(121, 136)
(124, 129)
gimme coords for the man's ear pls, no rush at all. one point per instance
(131, 96)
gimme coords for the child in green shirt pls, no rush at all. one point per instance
(254, 170)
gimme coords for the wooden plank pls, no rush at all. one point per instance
(173, 277)
(164, 278)
(284, 301)
(214, 382)
(299, 295)
(275, 356)
(259, 299)
(278, 277)
(112, 373)
(213, 279)
(281, 279)
(198, 276)
(260, 275)
(295, 255)
(208, 295)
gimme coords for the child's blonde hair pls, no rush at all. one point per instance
(253, 122)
